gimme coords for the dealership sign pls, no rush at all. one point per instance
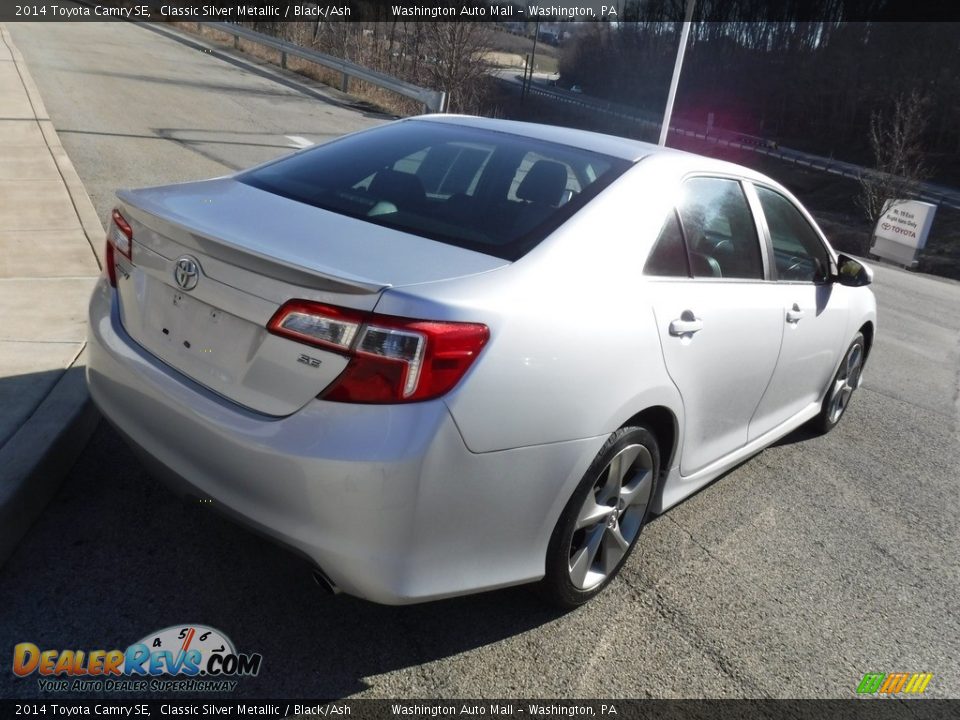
(902, 230)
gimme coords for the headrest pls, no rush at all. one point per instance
(544, 183)
(400, 188)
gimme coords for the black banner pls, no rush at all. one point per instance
(512, 11)
(854, 709)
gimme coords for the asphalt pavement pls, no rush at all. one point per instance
(819, 560)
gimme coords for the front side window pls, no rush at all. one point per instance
(797, 251)
(492, 192)
(720, 230)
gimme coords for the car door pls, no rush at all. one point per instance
(814, 311)
(720, 322)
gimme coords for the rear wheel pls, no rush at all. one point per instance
(841, 389)
(602, 520)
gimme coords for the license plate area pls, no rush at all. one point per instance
(228, 352)
(195, 336)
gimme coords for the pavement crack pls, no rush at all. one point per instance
(684, 625)
(681, 622)
(694, 540)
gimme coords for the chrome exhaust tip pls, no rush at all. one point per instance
(321, 579)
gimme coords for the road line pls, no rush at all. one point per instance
(298, 142)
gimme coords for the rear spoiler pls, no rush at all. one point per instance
(316, 277)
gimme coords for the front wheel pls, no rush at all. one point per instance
(841, 389)
(602, 520)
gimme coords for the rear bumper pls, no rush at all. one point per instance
(387, 500)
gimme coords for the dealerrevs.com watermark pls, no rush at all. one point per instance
(182, 658)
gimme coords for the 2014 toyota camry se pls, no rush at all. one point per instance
(451, 354)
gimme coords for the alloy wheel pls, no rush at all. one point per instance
(848, 379)
(611, 517)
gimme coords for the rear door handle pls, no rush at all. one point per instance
(794, 314)
(686, 324)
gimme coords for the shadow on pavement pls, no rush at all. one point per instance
(801, 434)
(132, 558)
(20, 395)
(45, 421)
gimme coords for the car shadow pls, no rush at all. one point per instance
(801, 434)
(117, 556)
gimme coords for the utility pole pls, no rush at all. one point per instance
(533, 53)
(523, 84)
(668, 112)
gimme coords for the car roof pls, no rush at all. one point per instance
(680, 161)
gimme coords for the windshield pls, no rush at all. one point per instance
(492, 192)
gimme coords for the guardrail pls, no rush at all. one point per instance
(432, 100)
(930, 192)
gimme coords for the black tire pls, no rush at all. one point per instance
(639, 482)
(830, 415)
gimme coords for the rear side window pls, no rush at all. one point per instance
(720, 230)
(492, 192)
(669, 256)
(797, 251)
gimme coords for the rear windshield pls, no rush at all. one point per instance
(492, 192)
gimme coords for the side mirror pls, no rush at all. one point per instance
(852, 273)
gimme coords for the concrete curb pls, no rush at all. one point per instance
(86, 213)
(38, 455)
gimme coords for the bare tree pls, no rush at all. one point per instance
(896, 140)
(456, 61)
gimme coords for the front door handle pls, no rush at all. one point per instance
(794, 314)
(686, 324)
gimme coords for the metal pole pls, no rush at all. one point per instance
(668, 112)
(523, 85)
(533, 53)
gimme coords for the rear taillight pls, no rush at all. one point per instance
(121, 235)
(392, 359)
(119, 240)
(110, 264)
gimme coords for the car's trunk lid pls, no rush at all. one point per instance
(253, 251)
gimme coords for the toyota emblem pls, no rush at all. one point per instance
(186, 272)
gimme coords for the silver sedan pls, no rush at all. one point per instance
(452, 354)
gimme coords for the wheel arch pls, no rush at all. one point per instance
(867, 330)
(664, 425)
